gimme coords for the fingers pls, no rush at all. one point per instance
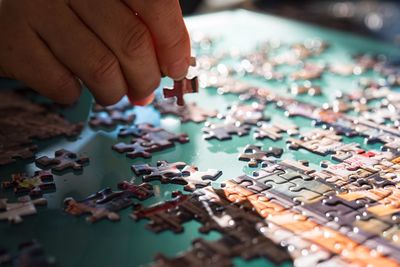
(128, 38)
(80, 50)
(26, 58)
(165, 22)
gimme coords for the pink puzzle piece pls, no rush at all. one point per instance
(185, 86)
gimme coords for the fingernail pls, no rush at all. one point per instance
(179, 69)
(145, 101)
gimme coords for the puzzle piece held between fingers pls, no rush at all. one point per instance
(63, 160)
(181, 88)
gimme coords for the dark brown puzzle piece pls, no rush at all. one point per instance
(64, 160)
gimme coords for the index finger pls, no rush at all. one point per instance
(165, 22)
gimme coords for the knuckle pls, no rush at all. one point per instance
(106, 68)
(136, 38)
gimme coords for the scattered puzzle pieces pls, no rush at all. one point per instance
(102, 205)
(142, 191)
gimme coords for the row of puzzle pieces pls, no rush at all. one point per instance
(106, 203)
(281, 202)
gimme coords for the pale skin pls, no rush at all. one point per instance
(115, 47)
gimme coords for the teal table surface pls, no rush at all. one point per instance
(75, 243)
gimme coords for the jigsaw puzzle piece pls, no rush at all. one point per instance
(235, 192)
(224, 131)
(142, 191)
(197, 179)
(103, 204)
(251, 184)
(164, 172)
(63, 160)
(161, 137)
(245, 114)
(313, 185)
(303, 196)
(189, 112)
(137, 148)
(274, 131)
(254, 154)
(164, 215)
(133, 131)
(13, 212)
(34, 186)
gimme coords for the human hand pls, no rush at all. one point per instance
(115, 47)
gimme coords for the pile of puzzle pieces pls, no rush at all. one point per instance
(23, 121)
